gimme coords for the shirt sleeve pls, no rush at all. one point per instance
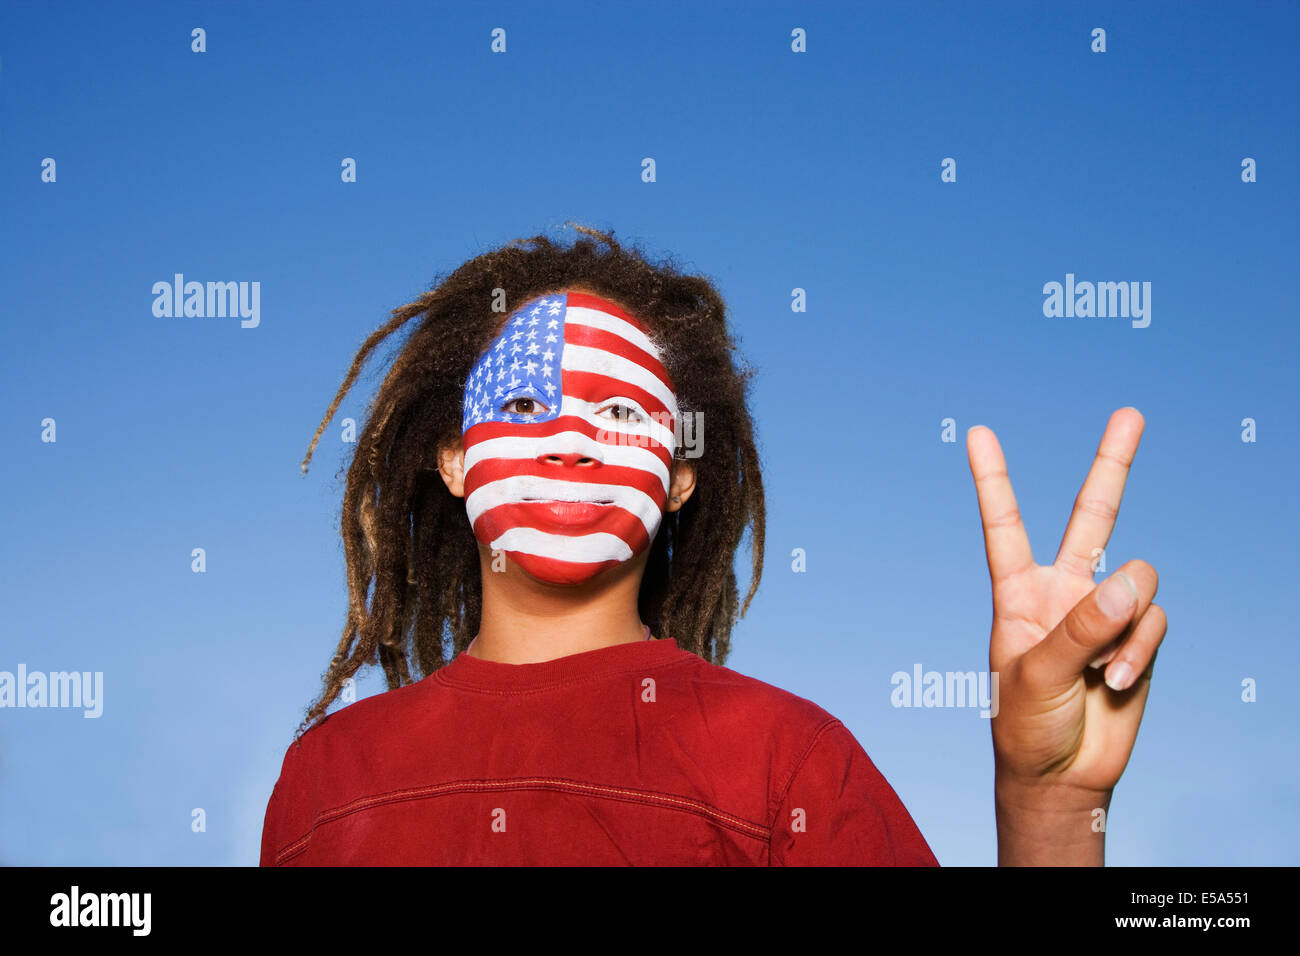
(278, 809)
(838, 810)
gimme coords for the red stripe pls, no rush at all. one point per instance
(586, 300)
(595, 387)
(565, 423)
(561, 572)
(495, 469)
(528, 514)
(579, 334)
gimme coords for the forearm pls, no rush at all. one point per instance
(1049, 825)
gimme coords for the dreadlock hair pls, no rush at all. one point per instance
(408, 542)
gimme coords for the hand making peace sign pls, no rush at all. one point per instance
(1058, 724)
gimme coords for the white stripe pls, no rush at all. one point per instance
(600, 546)
(514, 489)
(585, 358)
(597, 319)
(651, 426)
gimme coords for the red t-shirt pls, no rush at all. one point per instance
(639, 753)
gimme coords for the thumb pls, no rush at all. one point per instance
(1093, 623)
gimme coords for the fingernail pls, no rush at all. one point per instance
(1120, 676)
(1104, 658)
(1117, 596)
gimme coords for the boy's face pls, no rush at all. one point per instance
(569, 436)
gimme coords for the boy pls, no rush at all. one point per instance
(526, 522)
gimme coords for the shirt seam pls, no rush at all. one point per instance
(718, 816)
(789, 782)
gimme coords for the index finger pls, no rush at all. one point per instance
(1006, 544)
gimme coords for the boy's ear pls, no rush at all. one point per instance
(682, 484)
(451, 465)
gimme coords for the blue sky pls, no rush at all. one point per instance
(775, 170)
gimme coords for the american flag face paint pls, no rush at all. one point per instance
(569, 433)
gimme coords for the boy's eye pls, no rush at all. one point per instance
(527, 406)
(624, 413)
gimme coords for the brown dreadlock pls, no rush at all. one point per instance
(408, 543)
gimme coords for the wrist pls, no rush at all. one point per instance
(1042, 822)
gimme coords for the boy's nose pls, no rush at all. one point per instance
(571, 459)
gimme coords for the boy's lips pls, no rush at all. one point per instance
(570, 512)
(572, 501)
